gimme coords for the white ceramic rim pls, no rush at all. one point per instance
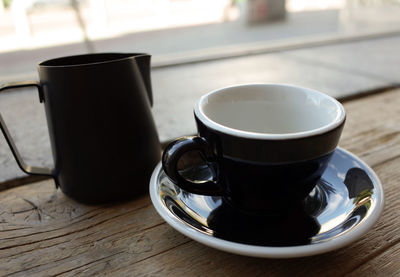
(267, 251)
(198, 110)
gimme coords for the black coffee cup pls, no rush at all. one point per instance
(264, 146)
(103, 137)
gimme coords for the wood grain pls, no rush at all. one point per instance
(44, 233)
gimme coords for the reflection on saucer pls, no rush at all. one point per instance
(294, 227)
(358, 183)
(345, 203)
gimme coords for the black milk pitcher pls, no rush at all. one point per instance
(103, 137)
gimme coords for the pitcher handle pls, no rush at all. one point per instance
(32, 170)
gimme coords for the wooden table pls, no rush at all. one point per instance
(42, 232)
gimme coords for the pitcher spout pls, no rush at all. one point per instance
(143, 62)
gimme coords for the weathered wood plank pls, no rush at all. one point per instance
(386, 264)
(372, 128)
(69, 234)
(194, 259)
(44, 233)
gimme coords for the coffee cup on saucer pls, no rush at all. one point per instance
(263, 146)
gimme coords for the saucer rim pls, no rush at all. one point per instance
(274, 251)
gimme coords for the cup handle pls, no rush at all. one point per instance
(33, 170)
(172, 154)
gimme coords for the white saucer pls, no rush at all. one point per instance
(344, 206)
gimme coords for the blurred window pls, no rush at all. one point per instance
(171, 28)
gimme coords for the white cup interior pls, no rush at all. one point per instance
(262, 110)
